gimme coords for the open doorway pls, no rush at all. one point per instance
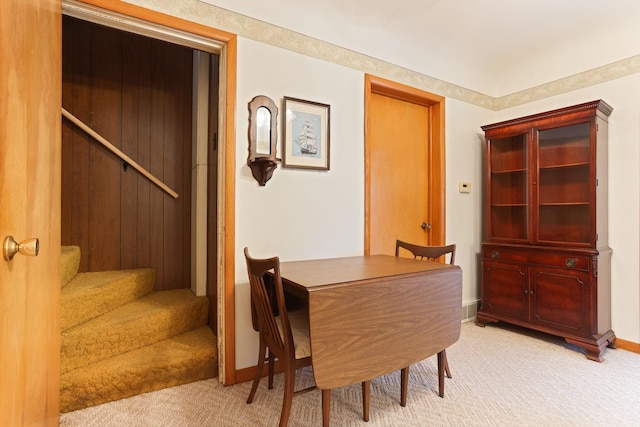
(128, 17)
(156, 101)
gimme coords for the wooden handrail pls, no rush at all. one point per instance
(119, 153)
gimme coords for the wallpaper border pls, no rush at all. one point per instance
(243, 26)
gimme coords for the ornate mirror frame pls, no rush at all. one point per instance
(263, 138)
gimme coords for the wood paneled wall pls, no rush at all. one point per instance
(136, 92)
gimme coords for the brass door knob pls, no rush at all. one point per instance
(425, 226)
(10, 248)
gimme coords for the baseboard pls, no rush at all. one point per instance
(247, 374)
(628, 345)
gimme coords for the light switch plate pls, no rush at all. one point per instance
(464, 187)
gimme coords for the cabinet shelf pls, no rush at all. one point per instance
(565, 166)
(508, 171)
(565, 204)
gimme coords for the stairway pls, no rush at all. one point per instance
(120, 338)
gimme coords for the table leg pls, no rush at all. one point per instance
(441, 362)
(366, 394)
(326, 407)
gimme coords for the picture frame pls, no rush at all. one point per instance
(306, 142)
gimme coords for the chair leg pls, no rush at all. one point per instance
(289, 383)
(404, 381)
(441, 363)
(271, 359)
(256, 378)
(446, 364)
(326, 407)
(366, 394)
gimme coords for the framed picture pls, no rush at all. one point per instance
(306, 134)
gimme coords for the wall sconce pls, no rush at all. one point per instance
(263, 137)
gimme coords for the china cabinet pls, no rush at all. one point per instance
(545, 257)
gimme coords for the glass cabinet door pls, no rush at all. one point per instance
(563, 184)
(509, 175)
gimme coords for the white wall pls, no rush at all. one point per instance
(603, 44)
(464, 212)
(302, 214)
(298, 214)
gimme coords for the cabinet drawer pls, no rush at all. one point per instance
(549, 259)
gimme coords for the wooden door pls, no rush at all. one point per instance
(30, 100)
(404, 145)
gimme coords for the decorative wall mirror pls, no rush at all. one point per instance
(263, 137)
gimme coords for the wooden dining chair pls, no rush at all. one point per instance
(284, 335)
(429, 253)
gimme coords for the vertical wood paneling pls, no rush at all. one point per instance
(171, 242)
(80, 143)
(129, 177)
(106, 115)
(135, 92)
(144, 154)
(156, 215)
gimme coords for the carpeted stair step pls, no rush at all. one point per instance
(152, 318)
(69, 263)
(89, 295)
(178, 360)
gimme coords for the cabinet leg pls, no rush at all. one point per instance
(596, 348)
(482, 320)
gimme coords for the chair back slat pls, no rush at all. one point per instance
(264, 307)
(431, 253)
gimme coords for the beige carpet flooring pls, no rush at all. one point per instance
(502, 376)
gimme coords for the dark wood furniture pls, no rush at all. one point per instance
(428, 253)
(284, 335)
(274, 325)
(372, 315)
(545, 258)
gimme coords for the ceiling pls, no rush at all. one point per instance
(492, 46)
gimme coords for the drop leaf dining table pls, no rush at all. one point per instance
(372, 315)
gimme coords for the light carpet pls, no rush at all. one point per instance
(502, 376)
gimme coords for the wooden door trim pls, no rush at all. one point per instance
(436, 106)
(228, 59)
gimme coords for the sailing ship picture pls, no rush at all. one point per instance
(306, 134)
(307, 130)
(306, 140)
